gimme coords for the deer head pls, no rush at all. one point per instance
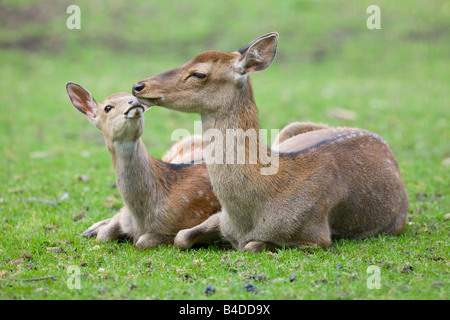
(210, 82)
(119, 117)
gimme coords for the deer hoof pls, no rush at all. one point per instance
(182, 240)
(258, 246)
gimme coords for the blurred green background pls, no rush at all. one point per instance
(329, 68)
(394, 79)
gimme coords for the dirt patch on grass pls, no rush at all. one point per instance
(20, 20)
(432, 33)
(42, 12)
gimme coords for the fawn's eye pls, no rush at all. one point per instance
(108, 108)
(199, 75)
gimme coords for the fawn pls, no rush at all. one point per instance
(329, 183)
(160, 198)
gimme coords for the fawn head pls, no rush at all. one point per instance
(120, 116)
(209, 82)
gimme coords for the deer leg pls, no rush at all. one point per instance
(106, 230)
(258, 246)
(208, 230)
(92, 231)
(152, 240)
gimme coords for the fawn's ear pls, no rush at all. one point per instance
(82, 100)
(258, 54)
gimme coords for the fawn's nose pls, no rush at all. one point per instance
(137, 87)
(134, 103)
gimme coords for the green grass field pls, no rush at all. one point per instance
(329, 68)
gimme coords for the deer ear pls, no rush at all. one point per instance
(82, 100)
(258, 55)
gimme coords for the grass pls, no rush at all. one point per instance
(394, 81)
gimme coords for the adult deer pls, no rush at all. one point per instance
(329, 182)
(160, 197)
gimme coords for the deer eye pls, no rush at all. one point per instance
(199, 75)
(108, 108)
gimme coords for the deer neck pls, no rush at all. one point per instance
(242, 114)
(136, 172)
(240, 117)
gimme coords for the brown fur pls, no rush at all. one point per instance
(329, 183)
(295, 129)
(189, 149)
(160, 197)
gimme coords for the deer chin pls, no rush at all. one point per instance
(134, 113)
(150, 101)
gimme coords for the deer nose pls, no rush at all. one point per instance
(137, 87)
(134, 103)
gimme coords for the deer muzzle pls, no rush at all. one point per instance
(135, 109)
